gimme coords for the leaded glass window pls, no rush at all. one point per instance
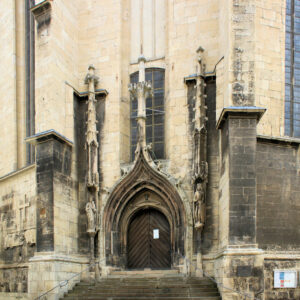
(155, 115)
(292, 69)
(30, 75)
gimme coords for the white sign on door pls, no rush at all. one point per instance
(155, 234)
(285, 279)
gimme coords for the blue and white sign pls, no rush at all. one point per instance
(285, 279)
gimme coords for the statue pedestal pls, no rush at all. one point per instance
(199, 270)
(199, 225)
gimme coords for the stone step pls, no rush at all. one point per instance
(137, 288)
(149, 289)
(148, 293)
(142, 298)
(145, 273)
(153, 284)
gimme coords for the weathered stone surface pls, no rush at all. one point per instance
(253, 187)
(14, 280)
(278, 187)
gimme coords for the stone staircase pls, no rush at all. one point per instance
(126, 287)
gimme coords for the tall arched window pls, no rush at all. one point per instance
(155, 113)
(292, 69)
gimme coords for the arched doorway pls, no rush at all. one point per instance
(141, 189)
(149, 242)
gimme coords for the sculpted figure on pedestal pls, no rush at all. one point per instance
(199, 206)
(91, 213)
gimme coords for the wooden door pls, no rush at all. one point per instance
(149, 241)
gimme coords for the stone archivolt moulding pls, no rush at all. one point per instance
(143, 187)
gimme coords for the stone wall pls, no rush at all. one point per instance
(47, 271)
(14, 280)
(239, 275)
(57, 208)
(211, 232)
(271, 264)
(269, 64)
(8, 112)
(17, 227)
(278, 187)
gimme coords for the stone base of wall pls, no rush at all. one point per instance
(239, 270)
(280, 262)
(13, 279)
(13, 296)
(251, 271)
(47, 270)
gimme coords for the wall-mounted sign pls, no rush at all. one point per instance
(285, 279)
(155, 234)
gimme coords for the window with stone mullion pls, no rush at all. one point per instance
(154, 114)
(292, 69)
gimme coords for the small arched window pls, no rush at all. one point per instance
(155, 113)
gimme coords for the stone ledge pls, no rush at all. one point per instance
(282, 256)
(46, 135)
(14, 266)
(250, 111)
(293, 255)
(44, 257)
(278, 140)
(41, 8)
(17, 172)
(235, 251)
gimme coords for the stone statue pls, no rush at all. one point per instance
(91, 213)
(199, 206)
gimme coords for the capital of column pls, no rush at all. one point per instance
(140, 89)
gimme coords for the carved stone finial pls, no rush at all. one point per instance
(91, 67)
(141, 58)
(90, 77)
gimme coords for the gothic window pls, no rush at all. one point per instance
(155, 115)
(29, 69)
(292, 69)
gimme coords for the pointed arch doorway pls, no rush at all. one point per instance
(149, 240)
(141, 189)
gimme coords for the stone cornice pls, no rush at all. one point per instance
(17, 172)
(41, 8)
(46, 135)
(267, 255)
(100, 92)
(279, 140)
(14, 266)
(44, 256)
(253, 111)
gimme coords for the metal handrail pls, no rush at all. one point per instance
(65, 282)
(246, 296)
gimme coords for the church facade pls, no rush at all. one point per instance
(150, 135)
